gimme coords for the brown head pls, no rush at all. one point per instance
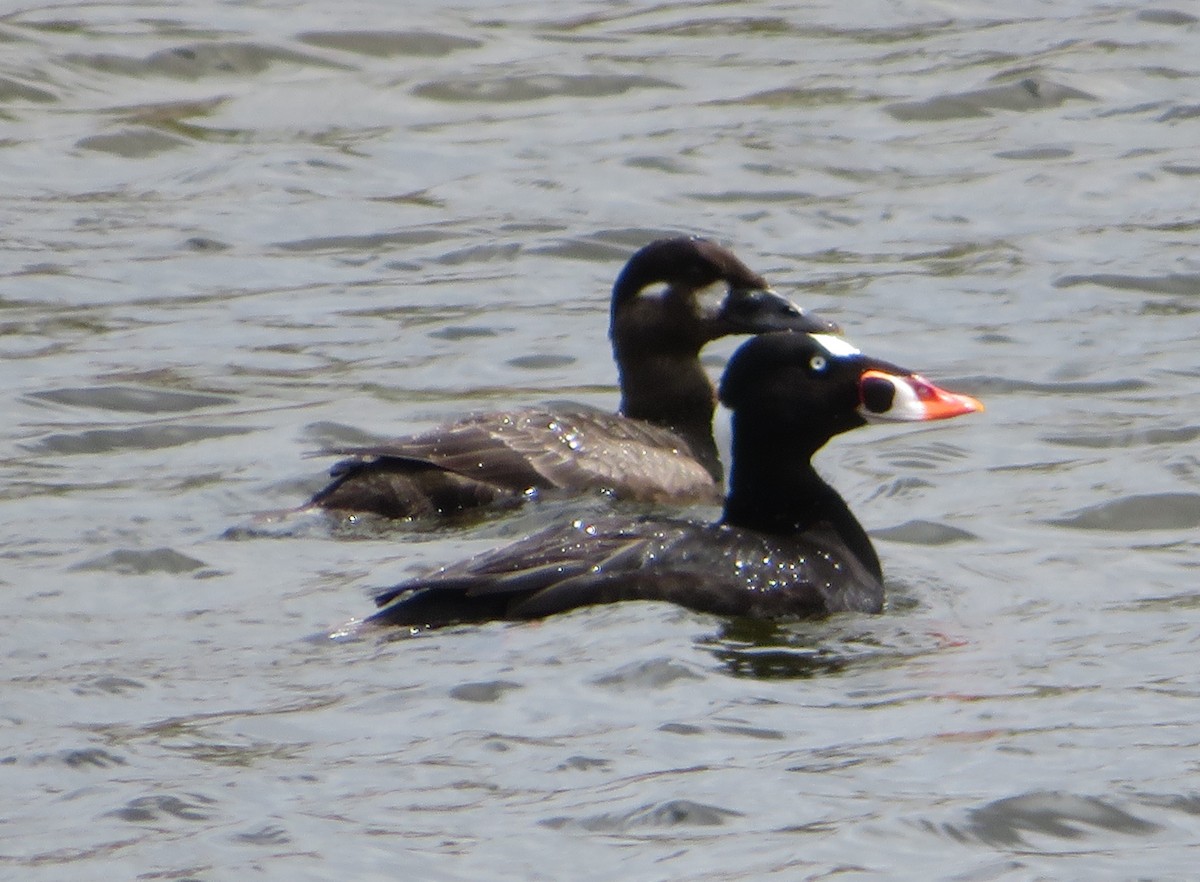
(657, 332)
(677, 319)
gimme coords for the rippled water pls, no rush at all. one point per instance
(237, 233)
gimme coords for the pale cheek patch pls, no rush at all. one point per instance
(711, 299)
(838, 347)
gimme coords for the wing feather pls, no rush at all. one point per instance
(706, 567)
(538, 448)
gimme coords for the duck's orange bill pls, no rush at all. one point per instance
(919, 399)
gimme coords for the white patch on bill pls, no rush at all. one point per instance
(838, 347)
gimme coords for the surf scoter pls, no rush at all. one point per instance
(787, 544)
(659, 447)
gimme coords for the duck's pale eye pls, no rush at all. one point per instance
(818, 363)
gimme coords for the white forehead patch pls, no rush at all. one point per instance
(838, 347)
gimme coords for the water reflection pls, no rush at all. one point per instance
(767, 650)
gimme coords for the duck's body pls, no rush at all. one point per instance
(787, 545)
(503, 457)
(712, 568)
(659, 447)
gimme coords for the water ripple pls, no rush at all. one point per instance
(1008, 823)
(1025, 94)
(387, 44)
(1148, 511)
(670, 814)
(1171, 283)
(495, 87)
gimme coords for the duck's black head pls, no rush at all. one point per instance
(675, 319)
(790, 393)
(816, 386)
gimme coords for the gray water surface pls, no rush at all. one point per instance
(235, 234)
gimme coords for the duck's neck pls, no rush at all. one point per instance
(672, 391)
(775, 489)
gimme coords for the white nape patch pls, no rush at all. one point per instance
(838, 347)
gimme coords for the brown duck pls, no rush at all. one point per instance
(658, 447)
